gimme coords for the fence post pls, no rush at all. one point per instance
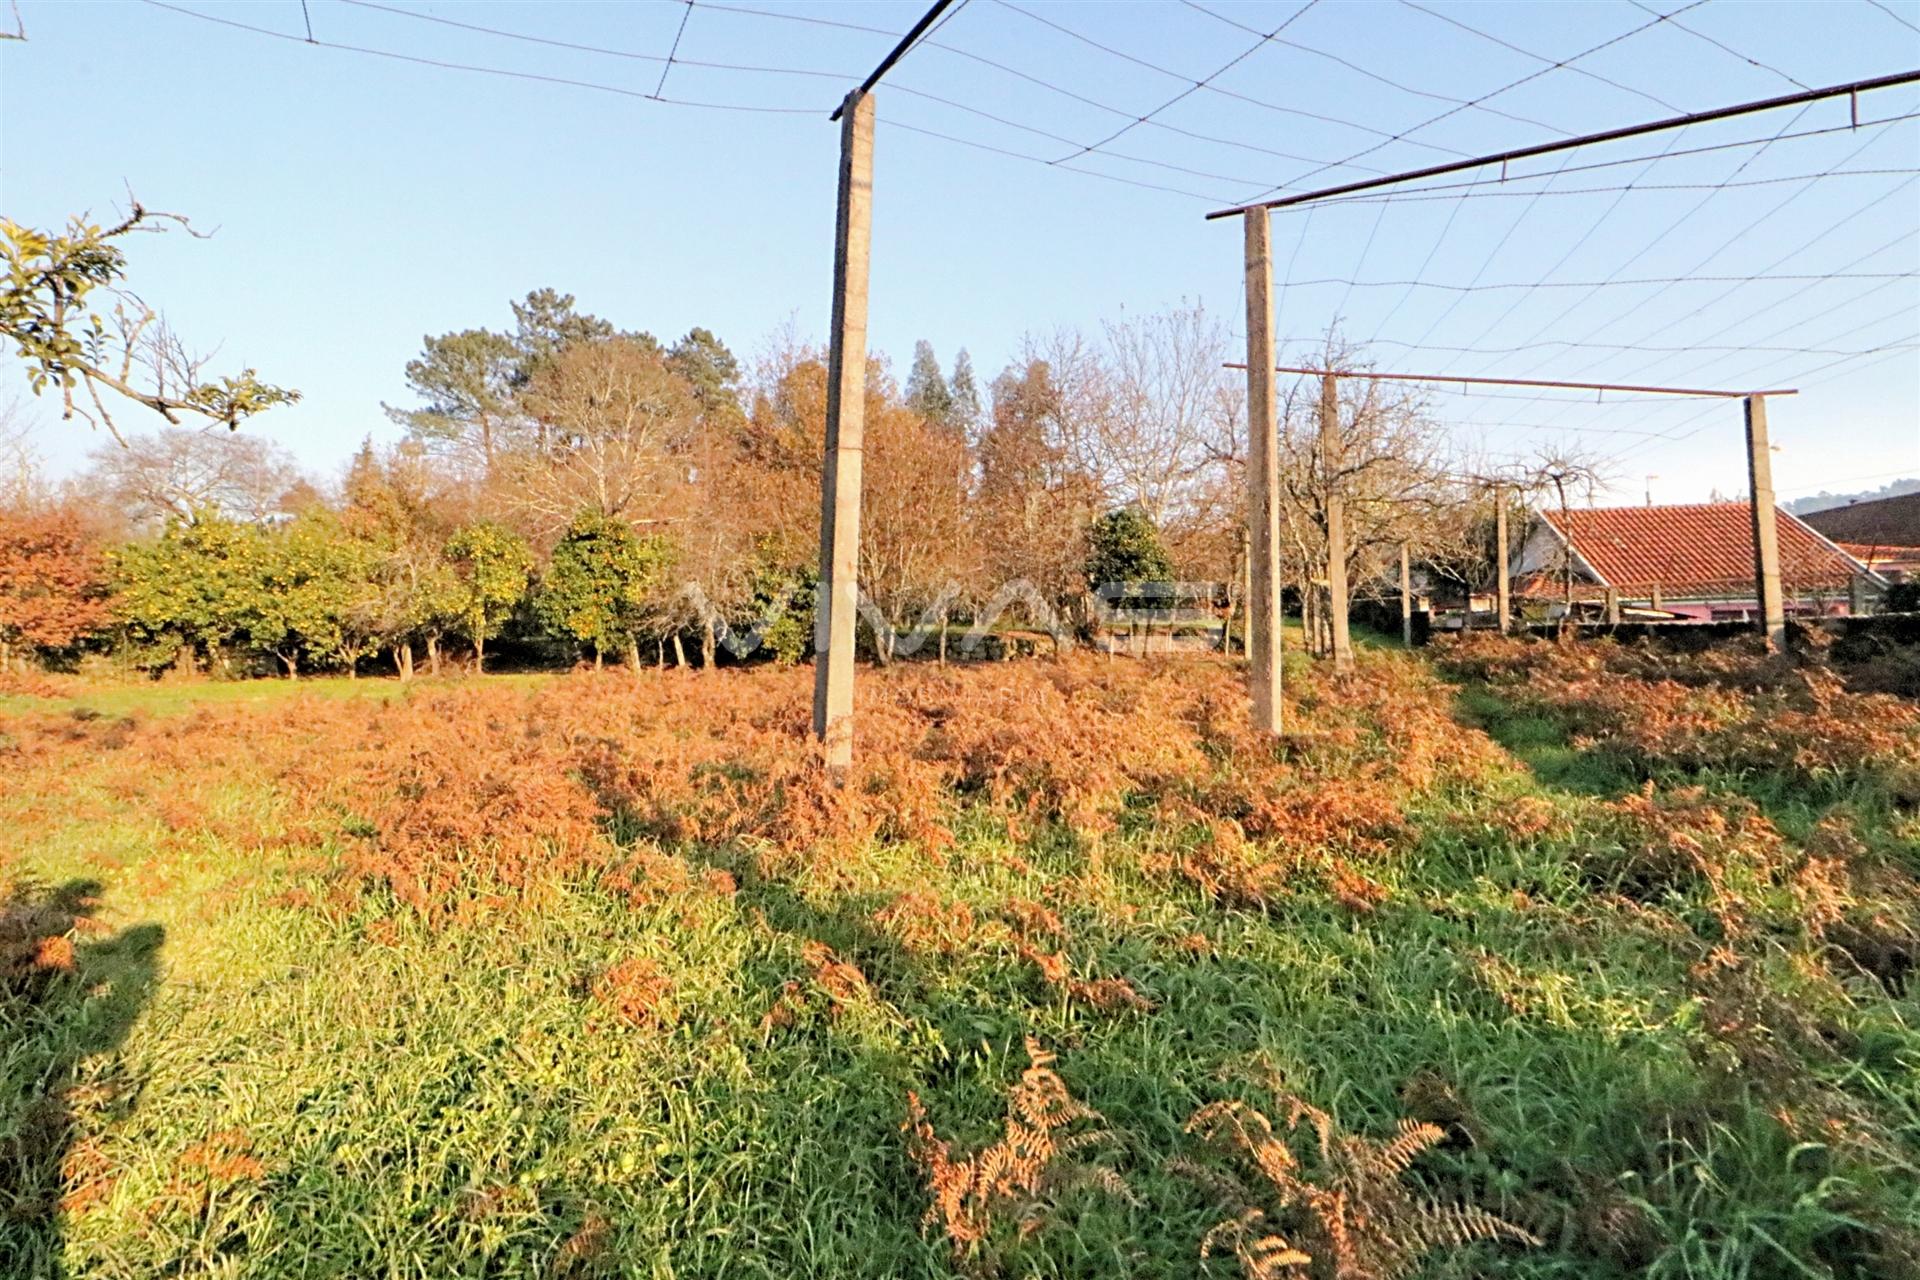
(1856, 595)
(1330, 451)
(839, 590)
(1613, 606)
(1766, 532)
(1503, 601)
(1406, 599)
(1263, 482)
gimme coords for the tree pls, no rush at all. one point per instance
(1123, 549)
(619, 421)
(490, 567)
(311, 595)
(466, 379)
(49, 310)
(966, 413)
(181, 474)
(1035, 502)
(395, 510)
(184, 596)
(53, 588)
(927, 393)
(705, 364)
(599, 584)
(914, 536)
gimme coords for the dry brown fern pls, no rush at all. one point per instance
(1018, 1177)
(1335, 1208)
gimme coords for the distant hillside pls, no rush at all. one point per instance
(1823, 501)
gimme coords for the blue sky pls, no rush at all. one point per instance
(362, 201)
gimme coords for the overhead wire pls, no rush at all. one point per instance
(1726, 244)
(1452, 21)
(685, 15)
(1460, 103)
(1197, 85)
(1660, 237)
(1406, 134)
(1082, 38)
(1907, 23)
(444, 65)
(1724, 48)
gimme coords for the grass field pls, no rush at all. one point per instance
(1529, 963)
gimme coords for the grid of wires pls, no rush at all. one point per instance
(1780, 249)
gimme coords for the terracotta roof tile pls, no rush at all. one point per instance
(1702, 549)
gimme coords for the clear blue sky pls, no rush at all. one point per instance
(362, 201)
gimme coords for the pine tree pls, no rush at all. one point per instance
(927, 393)
(963, 394)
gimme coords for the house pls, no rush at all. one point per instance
(1883, 534)
(1684, 563)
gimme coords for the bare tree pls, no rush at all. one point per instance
(618, 422)
(180, 473)
(21, 482)
(1145, 410)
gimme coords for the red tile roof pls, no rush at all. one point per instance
(1702, 550)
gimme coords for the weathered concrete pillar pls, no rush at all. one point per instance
(1263, 482)
(1856, 595)
(1406, 598)
(1656, 601)
(839, 594)
(1330, 457)
(1502, 586)
(1766, 533)
(1613, 606)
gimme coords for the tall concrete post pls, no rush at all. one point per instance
(838, 600)
(1263, 482)
(1330, 452)
(1766, 533)
(1406, 598)
(1502, 586)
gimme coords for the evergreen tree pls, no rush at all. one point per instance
(1124, 547)
(963, 397)
(489, 567)
(704, 361)
(598, 587)
(927, 393)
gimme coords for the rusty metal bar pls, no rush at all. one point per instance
(1529, 382)
(1853, 89)
(899, 52)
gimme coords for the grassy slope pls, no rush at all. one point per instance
(450, 1104)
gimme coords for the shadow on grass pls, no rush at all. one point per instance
(1540, 743)
(61, 1003)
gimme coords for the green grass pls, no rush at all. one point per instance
(168, 697)
(454, 1102)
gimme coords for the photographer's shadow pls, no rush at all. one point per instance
(64, 1001)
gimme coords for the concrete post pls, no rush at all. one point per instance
(1263, 482)
(1766, 533)
(1406, 598)
(1658, 604)
(1856, 595)
(1502, 587)
(839, 592)
(1613, 606)
(1330, 452)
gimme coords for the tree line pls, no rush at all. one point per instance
(567, 483)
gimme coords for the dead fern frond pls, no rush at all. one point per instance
(1019, 1178)
(1339, 1209)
